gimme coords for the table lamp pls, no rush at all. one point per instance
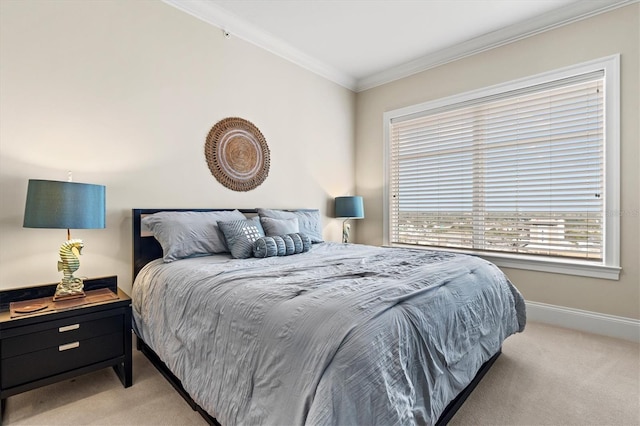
(65, 205)
(350, 207)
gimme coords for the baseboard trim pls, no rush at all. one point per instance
(591, 322)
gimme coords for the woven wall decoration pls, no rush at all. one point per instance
(237, 154)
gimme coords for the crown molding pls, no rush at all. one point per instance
(237, 27)
(568, 14)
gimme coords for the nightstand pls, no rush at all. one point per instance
(65, 339)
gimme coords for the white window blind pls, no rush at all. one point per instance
(518, 172)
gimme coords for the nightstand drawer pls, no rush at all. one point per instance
(61, 332)
(67, 356)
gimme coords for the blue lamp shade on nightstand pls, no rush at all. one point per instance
(65, 205)
(350, 207)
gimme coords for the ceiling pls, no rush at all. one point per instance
(361, 44)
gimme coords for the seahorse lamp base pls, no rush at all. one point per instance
(346, 231)
(69, 287)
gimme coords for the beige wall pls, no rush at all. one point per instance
(123, 93)
(603, 35)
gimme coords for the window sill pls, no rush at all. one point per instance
(533, 263)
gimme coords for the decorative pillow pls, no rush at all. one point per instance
(240, 236)
(297, 243)
(273, 226)
(266, 247)
(281, 245)
(290, 248)
(306, 242)
(309, 221)
(189, 234)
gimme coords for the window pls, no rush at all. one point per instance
(525, 173)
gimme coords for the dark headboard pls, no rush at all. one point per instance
(145, 247)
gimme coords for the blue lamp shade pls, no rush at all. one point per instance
(64, 205)
(350, 207)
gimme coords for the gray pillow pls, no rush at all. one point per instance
(290, 248)
(281, 245)
(240, 236)
(309, 221)
(189, 234)
(267, 247)
(273, 226)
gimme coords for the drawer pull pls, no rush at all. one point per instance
(68, 328)
(68, 346)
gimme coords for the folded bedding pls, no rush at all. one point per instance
(340, 334)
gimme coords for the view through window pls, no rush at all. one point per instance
(519, 171)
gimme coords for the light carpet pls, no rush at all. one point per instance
(545, 376)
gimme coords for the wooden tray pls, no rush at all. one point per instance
(46, 304)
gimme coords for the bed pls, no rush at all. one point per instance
(333, 334)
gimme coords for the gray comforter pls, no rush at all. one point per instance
(343, 334)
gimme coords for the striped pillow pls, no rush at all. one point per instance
(281, 245)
